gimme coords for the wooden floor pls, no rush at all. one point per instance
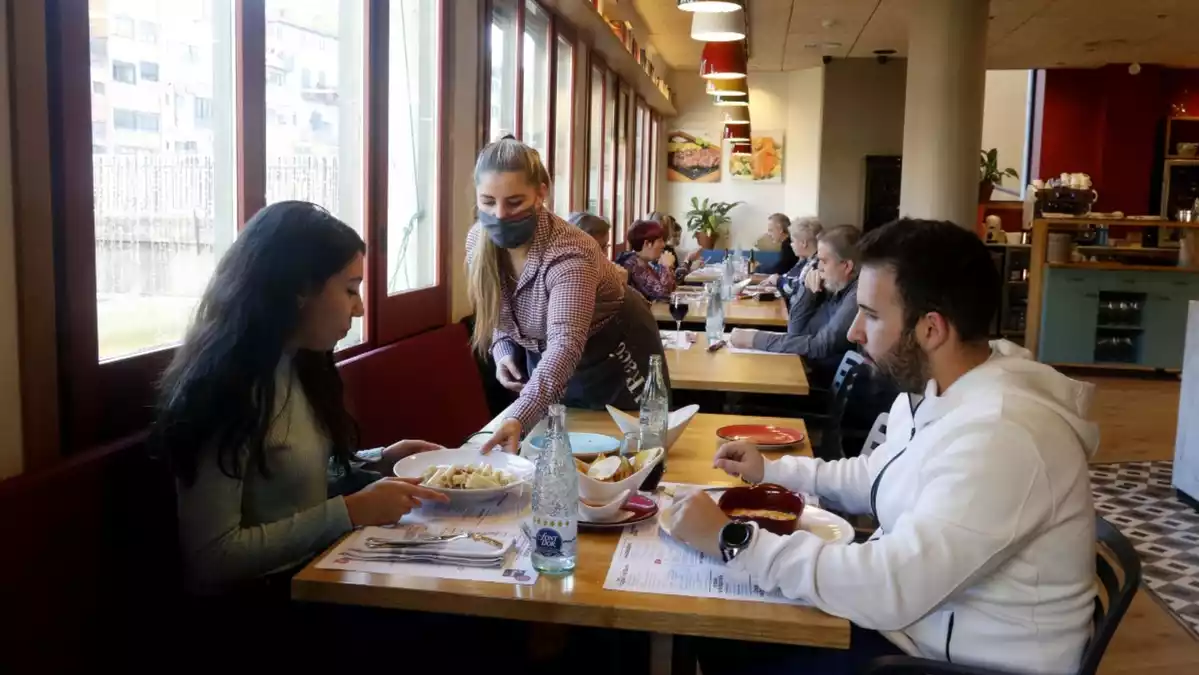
(1137, 420)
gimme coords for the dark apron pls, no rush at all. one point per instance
(615, 361)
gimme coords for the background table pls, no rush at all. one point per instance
(740, 312)
(722, 370)
(580, 599)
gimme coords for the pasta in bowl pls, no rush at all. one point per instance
(466, 474)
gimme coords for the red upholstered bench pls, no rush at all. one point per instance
(425, 387)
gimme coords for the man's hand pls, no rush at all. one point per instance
(814, 280)
(697, 522)
(741, 459)
(742, 338)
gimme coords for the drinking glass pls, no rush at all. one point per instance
(679, 306)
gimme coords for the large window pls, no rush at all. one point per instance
(595, 144)
(639, 166)
(611, 85)
(624, 210)
(535, 57)
(164, 188)
(190, 117)
(504, 35)
(564, 125)
(314, 141)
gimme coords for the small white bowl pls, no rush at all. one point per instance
(605, 513)
(600, 492)
(413, 466)
(676, 423)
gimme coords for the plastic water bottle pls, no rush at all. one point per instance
(555, 524)
(714, 324)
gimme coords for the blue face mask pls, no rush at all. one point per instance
(510, 232)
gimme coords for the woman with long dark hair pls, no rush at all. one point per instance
(250, 412)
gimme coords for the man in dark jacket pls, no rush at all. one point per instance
(819, 320)
(776, 228)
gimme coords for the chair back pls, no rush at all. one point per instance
(831, 436)
(851, 359)
(1118, 568)
(877, 435)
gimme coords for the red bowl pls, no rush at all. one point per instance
(764, 497)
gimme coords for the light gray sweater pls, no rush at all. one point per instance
(235, 530)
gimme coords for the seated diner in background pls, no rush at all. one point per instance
(818, 322)
(985, 551)
(674, 238)
(250, 414)
(597, 228)
(650, 266)
(547, 302)
(777, 225)
(804, 232)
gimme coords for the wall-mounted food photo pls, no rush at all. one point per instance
(764, 164)
(692, 158)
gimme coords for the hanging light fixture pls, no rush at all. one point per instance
(736, 115)
(742, 150)
(736, 132)
(728, 88)
(723, 61)
(709, 6)
(732, 102)
(721, 27)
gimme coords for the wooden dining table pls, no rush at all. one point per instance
(739, 312)
(580, 598)
(723, 370)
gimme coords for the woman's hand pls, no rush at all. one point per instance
(667, 259)
(770, 281)
(509, 374)
(506, 437)
(695, 255)
(387, 500)
(742, 459)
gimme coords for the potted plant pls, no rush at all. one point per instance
(708, 220)
(989, 174)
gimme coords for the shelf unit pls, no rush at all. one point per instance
(598, 34)
(1013, 301)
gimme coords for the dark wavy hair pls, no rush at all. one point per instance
(218, 394)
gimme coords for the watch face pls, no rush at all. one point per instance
(735, 535)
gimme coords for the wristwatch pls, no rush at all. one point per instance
(735, 537)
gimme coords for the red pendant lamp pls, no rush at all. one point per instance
(741, 150)
(723, 61)
(728, 88)
(736, 132)
(709, 5)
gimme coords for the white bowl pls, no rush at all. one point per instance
(413, 466)
(600, 492)
(675, 423)
(606, 512)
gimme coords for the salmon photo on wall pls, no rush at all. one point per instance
(765, 162)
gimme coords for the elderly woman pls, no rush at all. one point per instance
(650, 266)
(803, 234)
(596, 227)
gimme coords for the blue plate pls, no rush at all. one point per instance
(584, 445)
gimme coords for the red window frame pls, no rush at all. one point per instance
(98, 402)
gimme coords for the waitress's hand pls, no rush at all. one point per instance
(506, 437)
(509, 374)
(401, 449)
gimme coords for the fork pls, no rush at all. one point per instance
(379, 542)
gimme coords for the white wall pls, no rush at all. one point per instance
(863, 115)
(11, 454)
(789, 102)
(1005, 124)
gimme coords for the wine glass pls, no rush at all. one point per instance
(679, 306)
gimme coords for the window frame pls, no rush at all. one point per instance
(89, 402)
(558, 33)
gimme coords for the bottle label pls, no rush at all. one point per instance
(551, 535)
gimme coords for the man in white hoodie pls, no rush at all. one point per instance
(985, 550)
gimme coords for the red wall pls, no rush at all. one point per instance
(1105, 122)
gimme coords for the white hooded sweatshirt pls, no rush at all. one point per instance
(986, 550)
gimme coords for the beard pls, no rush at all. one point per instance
(905, 364)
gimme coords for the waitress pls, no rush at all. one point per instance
(555, 314)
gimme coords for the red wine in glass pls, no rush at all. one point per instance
(679, 311)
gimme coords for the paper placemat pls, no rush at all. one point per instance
(648, 561)
(728, 344)
(498, 518)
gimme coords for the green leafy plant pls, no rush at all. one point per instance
(988, 168)
(709, 218)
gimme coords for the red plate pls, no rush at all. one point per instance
(765, 435)
(637, 509)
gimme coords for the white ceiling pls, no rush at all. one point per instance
(790, 34)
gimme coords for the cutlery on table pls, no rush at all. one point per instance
(379, 542)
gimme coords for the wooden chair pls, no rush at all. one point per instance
(1118, 568)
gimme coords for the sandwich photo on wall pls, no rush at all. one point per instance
(692, 157)
(764, 164)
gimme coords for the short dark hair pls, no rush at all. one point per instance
(781, 219)
(589, 223)
(939, 267)
(643, 232)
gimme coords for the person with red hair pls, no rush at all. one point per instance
(650, 267)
